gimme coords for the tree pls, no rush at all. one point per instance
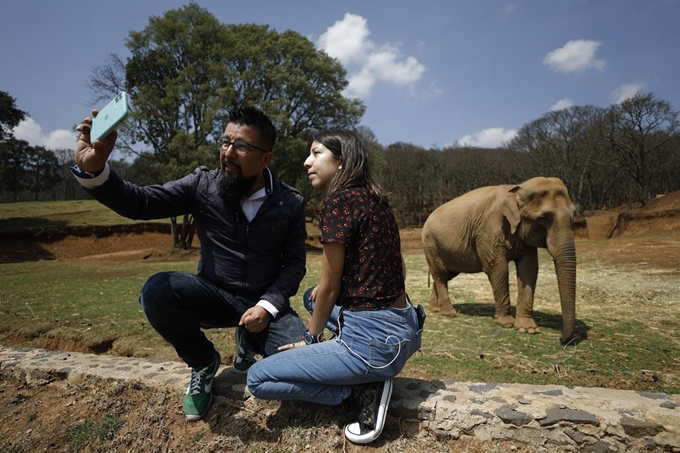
(187, 70)
(376, 151)
(28, 168)
(175, 77)
(13, 174)
(10, 116)
(42, 167)
(67, 188)
(564, 144)
(640, 128)
(298, 86)
(404, 178)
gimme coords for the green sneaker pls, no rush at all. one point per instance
(199, 393)
(244, 356)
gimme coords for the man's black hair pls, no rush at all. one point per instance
(255, 118)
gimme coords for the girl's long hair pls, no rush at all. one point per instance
(347, 146)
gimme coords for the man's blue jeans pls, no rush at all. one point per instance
(371, 346)
(179, 304)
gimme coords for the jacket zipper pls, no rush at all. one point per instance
(245, 257)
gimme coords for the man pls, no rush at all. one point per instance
(252, 232)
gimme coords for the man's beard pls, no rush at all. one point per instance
(232, 189)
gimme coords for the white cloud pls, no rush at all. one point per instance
(367, 62)
(361, 83)
(562, 104)
(575, 56)
(31, 131)
(510, 7)
(346, 40)
(434, 89)
(626, 91)
(489, 138)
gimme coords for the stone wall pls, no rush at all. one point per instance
(572, 419)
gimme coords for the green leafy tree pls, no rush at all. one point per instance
(25, 168)
(376, 151)
(13, 163)
(67, 188)
(10, 115)
(42, 168)
(298, 86)
(403, 178)
(187, 70)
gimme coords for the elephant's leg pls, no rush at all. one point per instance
(445, 305)
(498, 277)
(435, 273)
(527, 272)
(439, 297)
(433, 303)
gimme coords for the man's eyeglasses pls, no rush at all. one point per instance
(241, 147)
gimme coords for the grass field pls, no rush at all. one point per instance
(628, 317)
(51, 214)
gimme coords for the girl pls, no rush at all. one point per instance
(360, 297)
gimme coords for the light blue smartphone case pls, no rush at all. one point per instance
(110, 117)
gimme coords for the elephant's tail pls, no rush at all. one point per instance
(428, 278)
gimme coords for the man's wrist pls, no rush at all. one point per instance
(91, 180)
(79, 172)
(271, 309)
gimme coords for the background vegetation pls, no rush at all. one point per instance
(186, 70)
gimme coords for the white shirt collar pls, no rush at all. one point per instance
(253, 203)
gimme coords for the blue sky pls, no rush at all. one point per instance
(430, 72)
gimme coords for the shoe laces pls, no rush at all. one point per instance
(197, 379)
(244, 353)
(369, 400)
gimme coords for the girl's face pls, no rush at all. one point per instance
(321, 165)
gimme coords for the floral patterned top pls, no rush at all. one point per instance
(372, 277)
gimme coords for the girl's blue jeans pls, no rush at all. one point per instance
(370, 346)
(179, 304)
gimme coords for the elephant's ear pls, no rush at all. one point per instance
(510, 208)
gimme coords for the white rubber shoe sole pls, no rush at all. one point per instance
(353, 430)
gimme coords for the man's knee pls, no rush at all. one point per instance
(153, 290)
(309, 304)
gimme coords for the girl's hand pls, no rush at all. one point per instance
(312, 295)
(299, 344)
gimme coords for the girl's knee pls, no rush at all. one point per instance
(253, 382)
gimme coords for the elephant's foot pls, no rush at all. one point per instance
(448, 311)
(505, 321)
(526, 325)
(433, 303)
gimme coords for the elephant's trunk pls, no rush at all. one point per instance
(563, 252)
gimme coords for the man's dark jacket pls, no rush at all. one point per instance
(260, 259)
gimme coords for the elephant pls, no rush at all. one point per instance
(486, 228)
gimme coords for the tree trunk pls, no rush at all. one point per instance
(174, 232)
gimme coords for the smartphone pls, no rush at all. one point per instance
(110, 117)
